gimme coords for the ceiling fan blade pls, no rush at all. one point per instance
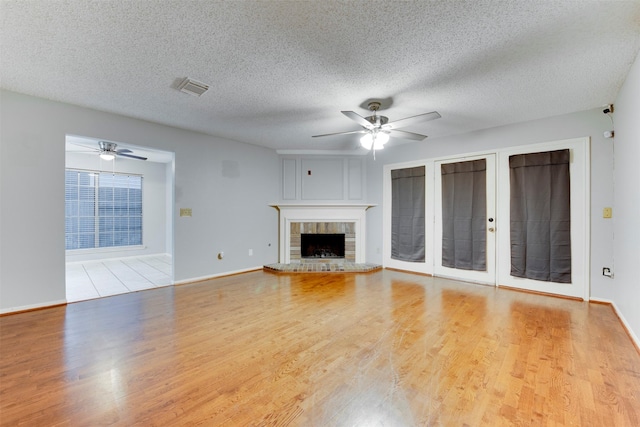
(339, 133)
(406, 135)
(86, 150)
(123, 150)
(131, 156)
(411, 120)
(358, 119)
(87, 147)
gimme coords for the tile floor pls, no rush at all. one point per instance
(95, 279)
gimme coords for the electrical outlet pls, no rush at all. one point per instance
(607, 213)
(250, 252)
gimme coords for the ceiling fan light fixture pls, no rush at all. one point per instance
(367, 141)
(375, 140)
(382, 138)
(107, 156)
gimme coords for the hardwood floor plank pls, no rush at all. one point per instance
(383, 348)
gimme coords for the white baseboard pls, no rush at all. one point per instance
(630, 331)
(214, 276)
(32, 306)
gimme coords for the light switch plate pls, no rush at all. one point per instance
(185, 211)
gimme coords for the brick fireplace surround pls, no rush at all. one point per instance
(322, 218)
(299, 228)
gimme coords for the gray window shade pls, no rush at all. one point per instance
(408, 214)
(541, 216)
(464, 215)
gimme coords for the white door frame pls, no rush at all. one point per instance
(579, 171)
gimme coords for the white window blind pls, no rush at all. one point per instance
(102, 209)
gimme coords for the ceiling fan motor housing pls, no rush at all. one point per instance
(377, 120)
(107, 146)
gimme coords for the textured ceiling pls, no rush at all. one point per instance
(281, 71)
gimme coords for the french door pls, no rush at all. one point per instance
(470, 234)
(569, 271)
(464, 218)
(548, 253)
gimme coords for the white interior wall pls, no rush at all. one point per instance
(154, 204)
(624, 288)
(227, 184)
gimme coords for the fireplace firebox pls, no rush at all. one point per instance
(322, 245)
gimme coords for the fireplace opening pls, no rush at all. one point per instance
(322, 245)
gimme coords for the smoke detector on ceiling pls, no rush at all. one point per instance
(193, 87)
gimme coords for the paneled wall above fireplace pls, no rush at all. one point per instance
(323, 179)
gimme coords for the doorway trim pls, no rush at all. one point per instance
(85, 146)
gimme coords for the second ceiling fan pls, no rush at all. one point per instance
(109, 151)
(377, 129)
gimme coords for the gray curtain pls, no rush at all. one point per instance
(407, 214)
(464, 215)
(541, 216)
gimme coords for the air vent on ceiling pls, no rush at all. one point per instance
(193, 87)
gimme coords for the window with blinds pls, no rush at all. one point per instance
(102, 209)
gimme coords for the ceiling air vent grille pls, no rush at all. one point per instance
(193, 87)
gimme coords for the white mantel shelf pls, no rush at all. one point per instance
(322, 212)
(281, 206)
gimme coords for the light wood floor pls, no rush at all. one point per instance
(378, 349)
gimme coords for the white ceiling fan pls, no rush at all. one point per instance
(109, 151)
(377, 129)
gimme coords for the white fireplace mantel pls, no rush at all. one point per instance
(321, 212)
